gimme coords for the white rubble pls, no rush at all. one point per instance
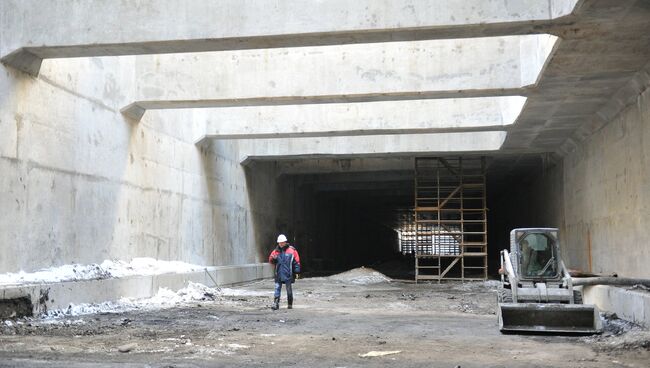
(361, 276)
(107, 269)
(165, 298)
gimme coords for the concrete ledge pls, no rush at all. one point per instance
(35, 28)
(60, 295)
(369, 118)
(630, 305)
(23, 60)
(133, 111)
(369, 73)
(369, 146)
(137, 109)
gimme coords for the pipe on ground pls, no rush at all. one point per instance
(615, 281)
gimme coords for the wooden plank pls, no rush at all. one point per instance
(428, 277)
(452, 264)
(449, 196)
(448, 166)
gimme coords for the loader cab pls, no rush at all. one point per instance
(537, 253)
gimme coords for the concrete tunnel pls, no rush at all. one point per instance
(200, 143)
(347, 213)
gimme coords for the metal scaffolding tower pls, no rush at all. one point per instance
(450, 218)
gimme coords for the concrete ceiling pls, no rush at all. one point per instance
(593, 56)
(35, 30)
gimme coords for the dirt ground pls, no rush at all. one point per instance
(333, 322)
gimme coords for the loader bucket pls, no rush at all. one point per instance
(549, 318)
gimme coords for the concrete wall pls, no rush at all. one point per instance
(52, 296)
(70, 28)
(80, 183)
(629, 304)
(607, 194)
(598, 195)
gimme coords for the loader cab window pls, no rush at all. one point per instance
(538, 258)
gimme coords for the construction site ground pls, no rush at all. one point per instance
(335, 321)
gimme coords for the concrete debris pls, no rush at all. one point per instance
(361, 276)
(15, 307)
(335, 333)
(619, 335)
(243, 292)
(237, 346)
(127, 347)
(478, 285)
(108, 269)
(640, 287)
(631, 340)
(371, 354)
(165, 298)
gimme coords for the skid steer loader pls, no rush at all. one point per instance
(536, 293)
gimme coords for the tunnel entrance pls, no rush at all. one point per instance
(346, 218)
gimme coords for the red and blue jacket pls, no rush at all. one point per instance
(286, 261)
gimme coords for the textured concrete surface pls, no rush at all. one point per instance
(368, 146)
(599, 65)
(331, 325)
(343, 74)
(598, 195)
(631, 305)
(82, 184)
(51, 296)
(607, 194)
(101, 28)
(389, 117)
(596, 69)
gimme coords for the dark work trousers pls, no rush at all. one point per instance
(278, 289)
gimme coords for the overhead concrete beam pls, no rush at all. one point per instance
(337, 74)
(365, 187)
(136, 110)
(370, 118)
(370, 146)
(359, 177)
(349, 165)
(34, 29)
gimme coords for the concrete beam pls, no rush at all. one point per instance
(595, 73)
(366, 187)
(358, 177)
(370, 118)
(34, 30)
(377, 146)
(338, 74)
(350, 165)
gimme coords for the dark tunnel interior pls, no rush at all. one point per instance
(340, 221)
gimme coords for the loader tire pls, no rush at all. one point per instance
(504, 296)
(577, 297)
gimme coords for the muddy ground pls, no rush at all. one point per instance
(332, 324)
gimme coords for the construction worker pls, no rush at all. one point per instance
(287, 268)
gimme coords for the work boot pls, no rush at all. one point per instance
(290, 303)
(276, 303)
